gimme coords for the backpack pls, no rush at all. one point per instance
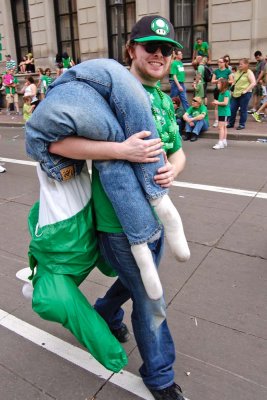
(7, 79)
(207, 73)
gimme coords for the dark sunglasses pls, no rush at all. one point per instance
(194, 100)
(151, 48)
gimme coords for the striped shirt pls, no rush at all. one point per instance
(11, 64)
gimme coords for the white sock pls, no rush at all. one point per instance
(148, 271)
(224, 142)
(173, 227)
(27, 290)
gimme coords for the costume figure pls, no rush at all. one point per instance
(100, 100)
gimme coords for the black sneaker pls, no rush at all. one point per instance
(173, 392)
(194, 138)
(240, 127)
(122, 333)
(187, 136)
(229, 126)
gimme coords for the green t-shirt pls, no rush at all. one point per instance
(202, 49)
(222, 73)
(199, 91)
(177, 68)
(106, 218)
(224, 111)
(195, 111)
(200, 71)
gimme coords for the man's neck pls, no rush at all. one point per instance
(144, 80)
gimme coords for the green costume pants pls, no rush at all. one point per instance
(64, 254)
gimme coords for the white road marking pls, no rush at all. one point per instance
(219, 189)
(21, 162)
(75, 355)
(187, 185)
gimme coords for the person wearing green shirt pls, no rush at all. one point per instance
(177, 79)
(201, 49)
(196, 118)
(224, 112)
(149, 54)
(222, 72)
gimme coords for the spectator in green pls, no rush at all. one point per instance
(222, 72)
(67, 62)
(46, 80)
(177, 79)
(199, 84)
(196, 118)
(201, 49)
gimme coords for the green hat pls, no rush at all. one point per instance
(154, 28)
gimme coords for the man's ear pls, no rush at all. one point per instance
(131, 52)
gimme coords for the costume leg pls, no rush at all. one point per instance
(57, 298)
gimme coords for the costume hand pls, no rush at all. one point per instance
(165, 175)
(135, 149)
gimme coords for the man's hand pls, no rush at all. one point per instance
(135, 149)
(165, 175)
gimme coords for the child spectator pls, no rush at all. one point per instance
(224, 112)
(222, 72)
(40, 72)
(179, 112)
(198, 86)
(11, 82)
(46, 80)
(27, 108)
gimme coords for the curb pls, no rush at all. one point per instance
(248, 136)
(235, 136)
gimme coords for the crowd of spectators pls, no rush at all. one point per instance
(233, 86)
(243, 83)
(34, 88)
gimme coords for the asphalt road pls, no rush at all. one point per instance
(216, 301)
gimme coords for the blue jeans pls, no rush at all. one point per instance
(241, 102)
(199, 126)
(101, 100)
(149, 323)
(175, 92)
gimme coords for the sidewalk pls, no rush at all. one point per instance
(254, 130)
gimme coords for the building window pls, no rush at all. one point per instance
(121, 16)
(22, 27)
(67, 28)
(190, 21)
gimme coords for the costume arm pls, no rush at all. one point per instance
(134, 149)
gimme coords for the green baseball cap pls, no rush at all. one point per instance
(154, 28)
